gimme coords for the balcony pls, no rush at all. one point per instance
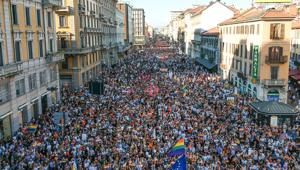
(56, 3)
(11, 69)
(274, 83)
(54, 57)
(67, 10)
(81, 8)
(276, 60)
(83, 50)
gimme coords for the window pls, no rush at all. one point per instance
(17, 51)
(64, 64)
(51, 44)
(62, 21)
(49, 19)
(242, 30)
(30, 49)
(245, 68)
(251, 51)
(1, 55)
(20, 87)
(53, 74)
(298, 11)
(257, 29)
(236, 64)
(27, 14)
(246, 52)
(41, 48)
(38, 17)
(241, 51)
(274, 72)
(4, 92)
(250, 69)
(32, 81)
(277, 31)
(241, 66)
(275, 52)
(43, 78)
(14, 14)
(251, 29)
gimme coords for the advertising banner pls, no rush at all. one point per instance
(255, 62)
(273, 1)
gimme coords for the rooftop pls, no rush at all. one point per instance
(273, 108)
(213, 31)
(255, 14)
(296, 25)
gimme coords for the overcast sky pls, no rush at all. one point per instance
(158, 11)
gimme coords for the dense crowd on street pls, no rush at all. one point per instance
(147, 106)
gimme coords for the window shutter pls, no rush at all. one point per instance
(270, 52)
(271, 31)
(282, 31)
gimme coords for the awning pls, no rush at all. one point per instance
(205, 63)
(273, 108)
(296, 77)
(294, 72)
(6, 114)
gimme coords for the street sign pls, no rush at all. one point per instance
(255, 62)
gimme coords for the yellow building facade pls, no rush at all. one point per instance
(86, 33)
(255, 52)
(28, 62)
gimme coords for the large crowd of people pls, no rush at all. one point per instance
(149, 104)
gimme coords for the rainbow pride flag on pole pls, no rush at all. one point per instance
(178, 149)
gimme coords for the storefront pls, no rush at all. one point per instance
(5, 126)
(44, 103)
(23, 114)
(35, 108)
(275, 114)
(273, 95)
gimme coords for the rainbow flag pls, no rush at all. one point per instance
(32, 128)
(178, 149)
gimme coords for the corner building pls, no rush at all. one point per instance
(255, 52)
(29, 60)
(86, 33)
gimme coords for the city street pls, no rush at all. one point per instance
(150, 103)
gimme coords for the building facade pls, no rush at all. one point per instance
(209, 49)
(120, 32)
(28, 62)
(295, 45)
(139, 27)
(120, 28)
(255, 50)
(207, 18)
(128, 22)
(86, 31)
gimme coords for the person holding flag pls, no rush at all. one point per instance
(178, 149)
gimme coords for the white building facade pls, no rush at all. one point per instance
(139, 27)
(206, 19)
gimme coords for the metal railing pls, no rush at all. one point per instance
(277, 82)
(276, 60)
(11, 69)
(52, 2)
(54, 57)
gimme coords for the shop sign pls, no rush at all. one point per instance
(255, 62)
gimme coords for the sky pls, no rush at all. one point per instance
(157, 12)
